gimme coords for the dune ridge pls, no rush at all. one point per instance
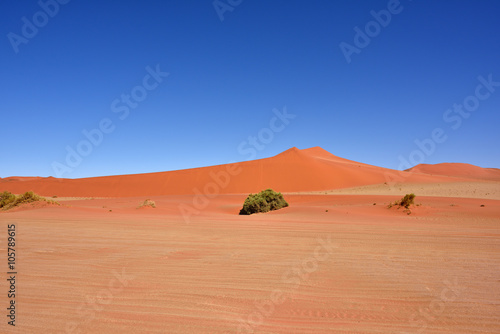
(294, 170)
(458, 170)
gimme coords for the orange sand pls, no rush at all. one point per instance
(291, 171)
(329, 263)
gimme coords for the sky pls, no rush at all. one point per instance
(94, 88)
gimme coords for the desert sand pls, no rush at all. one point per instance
(337, 260)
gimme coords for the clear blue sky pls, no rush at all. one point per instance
(227, 76)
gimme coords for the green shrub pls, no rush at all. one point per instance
(28, 197)
(265, 201)
(407, 200)
(8, 200)
(404, 202)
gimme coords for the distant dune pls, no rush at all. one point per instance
(294, 170)
(459, 170)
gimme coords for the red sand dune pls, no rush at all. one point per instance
(294, 170)
(459, 170)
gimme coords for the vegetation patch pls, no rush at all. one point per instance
(6, 199)
(9, 200)
(265, 201)
(147, 203)
(404, 202)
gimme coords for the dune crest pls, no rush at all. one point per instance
(294, 170)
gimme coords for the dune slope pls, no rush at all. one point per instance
(294, 170)
(459, 170)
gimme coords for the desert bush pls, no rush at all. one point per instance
(405, 201)
(148, 202)
(28, 197)
(265, 201)
(8, 200)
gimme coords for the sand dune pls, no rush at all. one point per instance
(459, 170)
(294, 170)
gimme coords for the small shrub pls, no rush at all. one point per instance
(404, 202)
(148, 202)
(265, 201)
(28, 197)
(6, 198)
(407, 200)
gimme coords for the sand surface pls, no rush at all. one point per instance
(340, 262)
(486, 190)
